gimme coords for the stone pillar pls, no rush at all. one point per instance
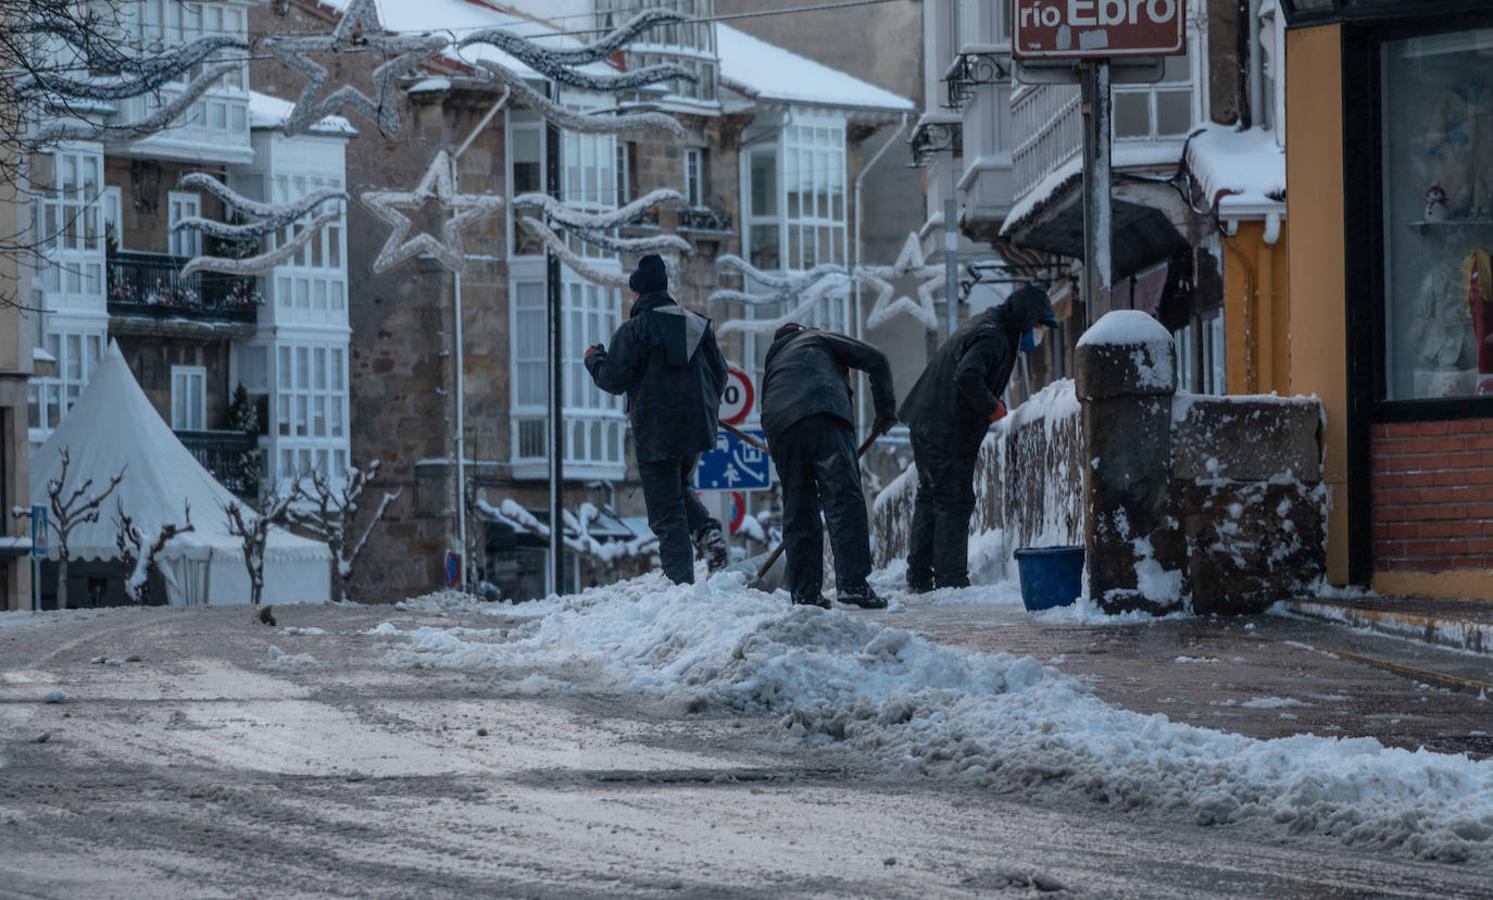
(1125, 370)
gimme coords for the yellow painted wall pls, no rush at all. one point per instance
(1316, 334)
(1257, 316)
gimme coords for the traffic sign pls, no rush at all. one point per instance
(1098, 29)
(738, 510)
(453, 569)
(734, 465)
(38, 530)
(738, 397)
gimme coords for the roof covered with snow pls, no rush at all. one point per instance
(1239, 171)
(113, 426)
(1136, 155)
(768, 72)
(266, 111)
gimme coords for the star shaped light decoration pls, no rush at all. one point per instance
(909, 267)
(360, 27)
(436, 184)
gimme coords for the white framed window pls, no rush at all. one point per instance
(68, 220)
(188, 398)
(312, 284)
(694, 176)
(690, 43)
(220, 118)
(113, 214)
(1157, 111)
(526, 136)
(796, 194)
(311, 410)
(595, 421)
(588, 175)
(50, 398)
(185, 242)
(624, 172)
(1183, 338)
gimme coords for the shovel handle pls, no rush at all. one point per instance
(750, 439)
(778, 550)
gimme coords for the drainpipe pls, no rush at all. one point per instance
(860, 248)
(461, 381)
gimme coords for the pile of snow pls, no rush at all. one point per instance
(443, 601)
(1008, 723)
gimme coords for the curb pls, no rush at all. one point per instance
(1444, 631)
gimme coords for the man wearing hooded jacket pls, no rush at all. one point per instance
(806, 412)
(948, 412)
(665, 359)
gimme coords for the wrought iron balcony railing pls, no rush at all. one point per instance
(150, 284)
(231, 456)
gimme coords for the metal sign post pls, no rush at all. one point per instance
(38, 551)
(1097, 209)
(556, 372)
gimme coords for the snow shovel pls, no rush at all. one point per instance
(768, 574)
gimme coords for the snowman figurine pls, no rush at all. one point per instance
(1435, 203)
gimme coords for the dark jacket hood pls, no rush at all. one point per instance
(680, 331)
(1026, 308)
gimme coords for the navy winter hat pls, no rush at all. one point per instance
(650, 276)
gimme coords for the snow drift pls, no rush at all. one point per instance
(1003, 722)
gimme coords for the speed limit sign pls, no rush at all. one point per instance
(737, 398)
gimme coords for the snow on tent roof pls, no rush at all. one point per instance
(769, 72)
(113, 426)
(271, 112)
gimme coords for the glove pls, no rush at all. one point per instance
(1000, 412)
(884, 424)
(594, 349)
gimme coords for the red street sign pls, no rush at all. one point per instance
(1096, 29)
(738, 511)
(738, 397)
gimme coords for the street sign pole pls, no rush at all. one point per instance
(556, 374)
(951, 248)
(1097, 209)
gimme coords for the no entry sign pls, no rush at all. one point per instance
(738, 397)
(1093, 29)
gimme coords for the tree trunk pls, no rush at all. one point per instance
(62, 583)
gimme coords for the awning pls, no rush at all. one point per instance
(1143, 235)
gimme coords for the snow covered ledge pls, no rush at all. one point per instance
(1210, 503)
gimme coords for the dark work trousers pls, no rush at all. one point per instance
(674, 514)
(938, 551)
(818, 471)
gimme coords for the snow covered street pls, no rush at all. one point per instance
(648, 739)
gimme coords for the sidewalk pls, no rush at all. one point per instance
(1266, 676)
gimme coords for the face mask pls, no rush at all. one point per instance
(1029, 340)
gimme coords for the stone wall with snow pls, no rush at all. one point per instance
(1182, 501)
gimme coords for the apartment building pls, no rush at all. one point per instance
(114, 255)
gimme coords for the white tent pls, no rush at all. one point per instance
(113, 426)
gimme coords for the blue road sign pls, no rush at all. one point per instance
(734, 465)
(38, 530)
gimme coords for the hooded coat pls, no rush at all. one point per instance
(807, 373)
(666, 360)
(952, 402)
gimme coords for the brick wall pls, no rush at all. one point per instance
(1433, 495)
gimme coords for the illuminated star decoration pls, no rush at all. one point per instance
(359, 27)
(909, 265)
(436, 184)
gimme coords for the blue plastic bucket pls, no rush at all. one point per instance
(1050, 576)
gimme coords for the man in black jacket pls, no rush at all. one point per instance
(806, 413)
(948, 413)
(666, 360)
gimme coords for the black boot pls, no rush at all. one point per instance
(816, 600)
(919, 585)
(860, 595)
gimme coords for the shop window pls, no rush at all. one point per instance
(1438, 199)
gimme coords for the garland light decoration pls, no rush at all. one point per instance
(910, 263)
(785, 288)
(273, 216)
(437, 184)
(358, 27)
